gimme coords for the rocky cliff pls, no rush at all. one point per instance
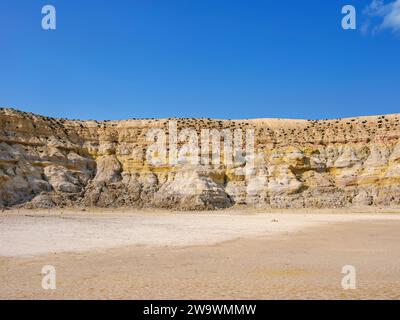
(48, 162)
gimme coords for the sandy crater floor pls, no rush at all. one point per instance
(231, 254)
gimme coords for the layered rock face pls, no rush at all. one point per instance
(47, 162)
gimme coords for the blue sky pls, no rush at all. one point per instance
(198, 58)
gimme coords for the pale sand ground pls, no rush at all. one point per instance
(227, 255)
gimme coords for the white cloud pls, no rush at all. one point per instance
(388, 12)
(392, 19)
(374, 7)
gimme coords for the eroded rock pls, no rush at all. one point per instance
(46, 162)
